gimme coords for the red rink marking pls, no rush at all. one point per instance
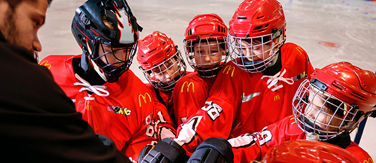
(328, 44)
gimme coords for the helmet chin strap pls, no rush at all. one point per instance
(276, 50)
(209, 72)
(274, 67)
(312, 130)
(98, 70)
(274, 60)
(95, 66)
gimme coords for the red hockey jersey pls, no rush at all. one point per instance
(254, 146)
(190, 94)
(164, 97)
(241, 102)
(130, 115)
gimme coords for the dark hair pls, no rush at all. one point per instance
(14, 3)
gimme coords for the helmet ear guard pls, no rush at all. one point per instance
(319, 85)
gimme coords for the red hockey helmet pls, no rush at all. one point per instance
(257, 25)
(308, 152)
(255, 18)
(206, 32)
(154, 49)
(160, 61)
(205, 26)
(340, 95)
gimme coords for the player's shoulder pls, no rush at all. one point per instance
(60, 67)
(188, 78)
(359, 152)
(138, 88)
(189, 83)
(292, 54)
(57, 61)
(293, 50)
(129, 78)
(289, 126)
(288, 120)
(57, 58)
(230, 70)
(355, 148)
(290, 45)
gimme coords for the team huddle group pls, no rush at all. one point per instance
(250, 90)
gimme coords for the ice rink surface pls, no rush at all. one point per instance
(329, 31)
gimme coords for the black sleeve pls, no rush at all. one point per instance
(38, 123)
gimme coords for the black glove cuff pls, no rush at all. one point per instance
(171, 150)
(165, 151)
(212, 150)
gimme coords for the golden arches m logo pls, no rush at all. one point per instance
(299, 49)
(143, 97)
(189, 84)
(46, 64)
(228, 69)
(277, 97)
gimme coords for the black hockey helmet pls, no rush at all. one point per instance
(110, 23)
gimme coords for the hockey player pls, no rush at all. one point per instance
(327, 109)
(39, 122)
(110, 97)
(206, 52)
(307, 151)
(257, 87)
(162, 64)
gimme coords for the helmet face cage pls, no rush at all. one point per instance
(114, 61)
(319, 113)
(165, 75)
(254, 54)
(206, 55)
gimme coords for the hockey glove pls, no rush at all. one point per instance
(165, 151)
(213, 150)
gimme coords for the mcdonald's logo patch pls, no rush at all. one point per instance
(292, 120)
(45, 64)
(88, 107)
(228, 69)
(277, 97)
(299, 49)
(143, 98)
(188, 84)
